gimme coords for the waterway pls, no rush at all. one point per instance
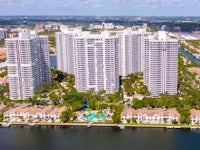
(189, 55)
(97, 138)
(53, 61)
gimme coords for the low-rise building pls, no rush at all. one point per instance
(150, 116)
(195, 116)
(3, 33)
(33, 114)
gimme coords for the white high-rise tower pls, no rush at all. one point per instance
(131, 51)
(28, 64)
(92, 58)
(65, 49)
(161, 64)
(3, 33)
(97, 62)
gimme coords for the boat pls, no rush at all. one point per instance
(169, 127)
(88, 126)
(31, 124)
(177, 127)
(121, 127)
(5, 124)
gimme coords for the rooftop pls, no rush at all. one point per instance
(151, 112)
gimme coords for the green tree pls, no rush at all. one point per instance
(3, 73)
(116, 118)
(93, 104)
(188, 120)
(117, 113)
(66, 115)
(75, 96)
(185, 115)
(134, 84)
(101, 94)
(54, 98)
(103, 106)
(182, 119)
(76, 105)
(2, 43)
(115, 97)
(174, 122)
(1, 117)
(134, 120)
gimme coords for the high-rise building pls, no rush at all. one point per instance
(97, 62)
(131, 51)
(161, 64)
(3, 33)
(92, 58)
(65, 50)
(28, 64)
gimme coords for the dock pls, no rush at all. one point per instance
(92, 124)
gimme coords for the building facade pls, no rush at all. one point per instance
(134, 52)
(195, 116)
(97, 62)
(3, 33)
(33, 114)
(65, 52)
(92, 58)
(150, 116)
(161, 64)
(28, 64)
(131, 51)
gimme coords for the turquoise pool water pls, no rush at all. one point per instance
(95, 116)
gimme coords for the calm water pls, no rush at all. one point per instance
(190, 56)
(81, 138)
(53, 61)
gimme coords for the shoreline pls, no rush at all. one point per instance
(89, 125)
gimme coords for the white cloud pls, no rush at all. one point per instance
(196, 3)
(97, 5)
(150, 3)
(92, 3)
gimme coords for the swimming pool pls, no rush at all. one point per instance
(92, 116)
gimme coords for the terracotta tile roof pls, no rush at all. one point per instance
(194, 112)
(34, 110)
(150, 112)
(14, 110)
(58, 111)
(46, 109)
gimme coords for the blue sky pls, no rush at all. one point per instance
(101, 7)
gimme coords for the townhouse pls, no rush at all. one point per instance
(150, 116)
(27, 114)
(195, 116)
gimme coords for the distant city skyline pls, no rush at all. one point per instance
(101, 7)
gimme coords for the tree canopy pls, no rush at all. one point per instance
(134, 84)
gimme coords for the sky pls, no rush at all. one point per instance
(101, 7)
